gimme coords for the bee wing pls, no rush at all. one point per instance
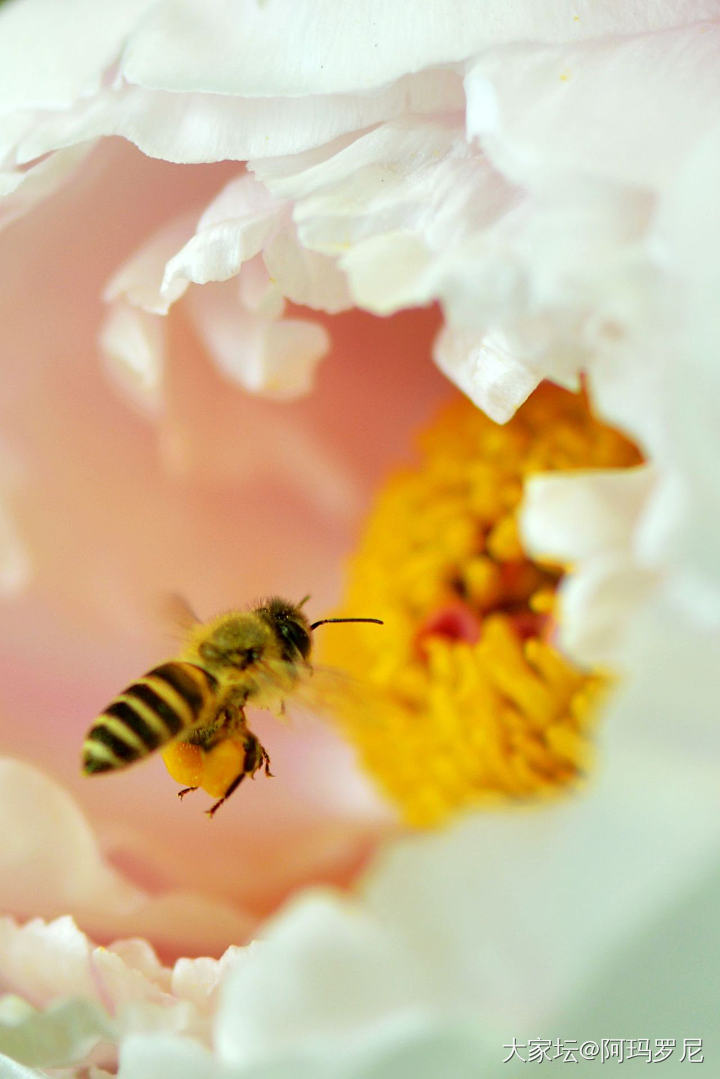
(325, 692)
(177, 611)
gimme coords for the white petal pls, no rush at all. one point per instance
(258, 291)
(360, 975)
(417, 1051)
(590, 521)
(444, 924)
(49, 961)
(213, 127)
(12, 1070)
(133, 343)
(46, 961)
(119, 989)
(381, 180)
(14, 1009)
(688, 385)
(303, 276)
(639, 986)
(298, 47)
(592, 108)
(485, 370)
(291, 351)
(21, 189)
(393, 205)
(640, 802)
(389, 272)
(563, 274)
(597, 604)
(138, 955)
(14, 126)
(140, 279)
(671, 673)
(425, 1050)
(198, 980)
(568, 517)
(275, 358)
(145, 1056)
(51, 54)
(232, 230)
(62, 1035)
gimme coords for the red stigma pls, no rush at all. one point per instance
(454, 622)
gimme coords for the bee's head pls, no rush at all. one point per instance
(290, 627)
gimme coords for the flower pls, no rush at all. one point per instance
(508, 166)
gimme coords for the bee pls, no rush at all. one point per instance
(193, 707)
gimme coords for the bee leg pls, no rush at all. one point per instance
(233, 786)
(255, 757)
(186, 790)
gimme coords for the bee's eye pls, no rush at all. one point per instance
(247, 656)
(296, 636)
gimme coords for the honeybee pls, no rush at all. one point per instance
(194, 706)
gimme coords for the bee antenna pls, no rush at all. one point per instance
(304, 600)
(324, 621)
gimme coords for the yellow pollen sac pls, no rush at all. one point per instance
(471, 702)
(211, 769)
(221, 765)
(184, 762)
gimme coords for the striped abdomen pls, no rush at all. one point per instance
(168, 700)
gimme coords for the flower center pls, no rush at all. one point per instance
(471, 702)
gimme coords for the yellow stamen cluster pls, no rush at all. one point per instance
(471, 702)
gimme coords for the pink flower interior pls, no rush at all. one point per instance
(223, 498)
